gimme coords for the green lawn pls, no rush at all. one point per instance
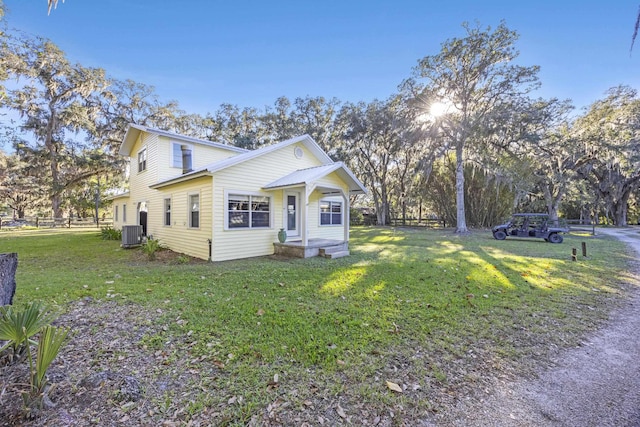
(427, 309)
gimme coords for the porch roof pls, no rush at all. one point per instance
(310, 175)
(117, 196)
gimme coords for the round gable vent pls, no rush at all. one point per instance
(298, 152)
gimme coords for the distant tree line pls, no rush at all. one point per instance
(463, 138)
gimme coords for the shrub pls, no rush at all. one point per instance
(151, 247)
(355, 217)
(109, 233)
(183, 259)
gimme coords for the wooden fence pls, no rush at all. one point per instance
(581, 225)
(49, 222)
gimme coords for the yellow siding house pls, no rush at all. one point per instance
(218, 202)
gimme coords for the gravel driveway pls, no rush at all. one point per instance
(596, 384)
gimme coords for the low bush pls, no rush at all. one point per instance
(151, 247)
(109, 233)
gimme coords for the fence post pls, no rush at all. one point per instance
(574, 254)
(37, 221)
(584, 249)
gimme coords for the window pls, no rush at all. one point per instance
(115, 214)
(249, 211)
(142, 160)
(182, 156)
(176, 151)
(194, 211)
(124, 213)
(167, 211)
(330, 213)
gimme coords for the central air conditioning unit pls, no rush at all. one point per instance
(131, 236)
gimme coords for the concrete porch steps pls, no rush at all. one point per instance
(335, 252)
(314, 247)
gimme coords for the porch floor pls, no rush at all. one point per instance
(295, 248)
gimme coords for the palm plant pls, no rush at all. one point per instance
(18, 326)
(51, 339)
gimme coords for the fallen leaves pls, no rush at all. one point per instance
(394, 387)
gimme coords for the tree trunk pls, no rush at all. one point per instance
(620, 207)
(619, 212)
(8, 267)
(461, 221)
(56, 206)
(97, 203)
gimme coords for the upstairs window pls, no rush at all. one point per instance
(330, 213)
(248, 211)
(182, 156)
(142, 160)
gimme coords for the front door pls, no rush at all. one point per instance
(292, 213)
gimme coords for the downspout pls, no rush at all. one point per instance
(209, 241)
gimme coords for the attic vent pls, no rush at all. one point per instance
(186, 159)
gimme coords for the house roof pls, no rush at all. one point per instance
(296, 178)
(133, 131)
(308, 142)
(211, 168)
(309, 175)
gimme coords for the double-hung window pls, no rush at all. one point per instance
(330, 213)
(248, 211)
(115, 214)
(142, 159)
(194, 210)
(167, 212)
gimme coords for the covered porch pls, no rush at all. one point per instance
(315, 210)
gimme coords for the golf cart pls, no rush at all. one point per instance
(531, 225)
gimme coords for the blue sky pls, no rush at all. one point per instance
(206, 52)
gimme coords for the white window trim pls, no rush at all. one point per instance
(189, 210)
(146, 160)
(247, 193)
(171, 157)
(330, 213)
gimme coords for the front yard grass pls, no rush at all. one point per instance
(294, 341)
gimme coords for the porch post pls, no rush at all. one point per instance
(345, 196)
(304, 216)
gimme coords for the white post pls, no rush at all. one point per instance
(305, 215)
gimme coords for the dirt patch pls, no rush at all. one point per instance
(98, 376)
